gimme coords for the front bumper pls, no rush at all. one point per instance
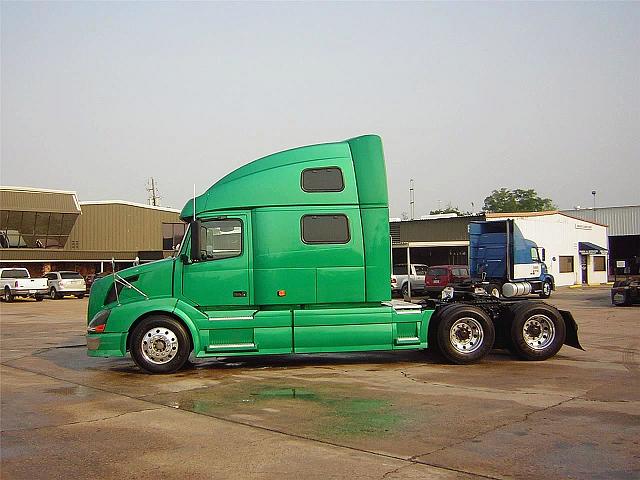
(107, 344)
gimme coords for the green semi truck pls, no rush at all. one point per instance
(290, 254)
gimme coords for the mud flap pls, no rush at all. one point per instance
(571, 338)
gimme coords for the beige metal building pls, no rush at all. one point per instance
(48, 230)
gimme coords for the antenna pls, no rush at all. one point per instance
(194, 202)
(153, 198)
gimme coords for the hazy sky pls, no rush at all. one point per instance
(469, 97)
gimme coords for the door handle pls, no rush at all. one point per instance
(239, 293)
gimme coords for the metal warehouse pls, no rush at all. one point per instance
(624, 235)
(48, 230)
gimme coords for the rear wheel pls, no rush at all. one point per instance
(537, 330)
(53, 294)
(465, 334)
(405, 290)
(7, 296)
(39, 298)
(80, 295)
(160, 344)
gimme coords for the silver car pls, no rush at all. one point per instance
(65, 283)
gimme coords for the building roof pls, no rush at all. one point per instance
(132, 204)
(29, 199)
(540, 214)
(622, 220)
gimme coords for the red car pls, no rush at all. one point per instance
(440, 276)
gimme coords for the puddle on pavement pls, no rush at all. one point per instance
(327, 412)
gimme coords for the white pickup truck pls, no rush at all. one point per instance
(16, 282)
(399, 278)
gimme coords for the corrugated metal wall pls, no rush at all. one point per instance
(621, 220)
(119, 227)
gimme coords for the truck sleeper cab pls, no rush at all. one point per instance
(287, 254)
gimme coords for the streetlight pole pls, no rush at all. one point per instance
(593, 192)
(411, 199)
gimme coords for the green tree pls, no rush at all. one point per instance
(449, 209)
(518, 200)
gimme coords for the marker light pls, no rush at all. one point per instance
(282, 293)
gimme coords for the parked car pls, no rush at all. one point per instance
(440, 276)
(16, 282)
(399, 278)
(65, 283)
(92, 277)
(626, 292)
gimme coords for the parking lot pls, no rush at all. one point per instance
(373, 415)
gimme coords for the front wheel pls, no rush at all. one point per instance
(537, 331)
(546, 289)
(465, 334)
(160, 344)
(39, 298)
(53, 294)
(80, 295)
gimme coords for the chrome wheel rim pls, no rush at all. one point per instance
(159, 345)
(538, 332)
(546, 288)
(52, 294)
(466, 335)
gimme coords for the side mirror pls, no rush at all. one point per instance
(184, 258)
(543, 256)
(194, 227)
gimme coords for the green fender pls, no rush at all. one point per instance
(187, 313)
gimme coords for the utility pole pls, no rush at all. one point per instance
(152, 189)
(594, 204)
(411, 199)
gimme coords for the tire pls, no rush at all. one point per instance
(405, 290)
(538, 330)
(39, 298)
(160, 344)
(465, 334)
(53, 294)
(81, 295)
(546, 289)
(7, 296)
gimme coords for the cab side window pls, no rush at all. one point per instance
(325, 229)
(325, 179)
(220, 239)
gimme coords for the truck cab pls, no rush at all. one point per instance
(506, 262)
(290, 254)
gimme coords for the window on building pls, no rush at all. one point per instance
(328, 179)
(220, 239)
(566, 264)
(599, 264)
(325, 229)
(172, 234)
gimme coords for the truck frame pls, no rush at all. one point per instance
(291, 254)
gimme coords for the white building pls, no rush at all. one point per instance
(576, 250)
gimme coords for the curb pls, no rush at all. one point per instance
(592, 285)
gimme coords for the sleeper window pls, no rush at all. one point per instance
(327, 179)
(325, 229)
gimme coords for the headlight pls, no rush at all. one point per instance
(99, 322)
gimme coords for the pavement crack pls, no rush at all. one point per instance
(79, 422)
(497, 427)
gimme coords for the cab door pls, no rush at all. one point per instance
(220, 276)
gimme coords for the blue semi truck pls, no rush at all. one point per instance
(506, 263)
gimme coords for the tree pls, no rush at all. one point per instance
(449, 209)
(518, 200)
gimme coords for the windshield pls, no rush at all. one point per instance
(70, 275)
(436, 272)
